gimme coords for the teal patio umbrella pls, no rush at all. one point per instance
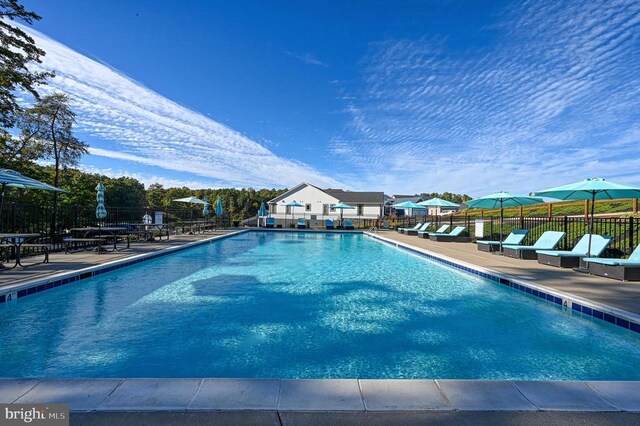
(410, 205)
(205, 208)
(101, 211)
(12, 179)
(219, 210)
(437, 202)
(591, 189)
(293, 204)
(262, 212)
(342, 208)
(500, 200)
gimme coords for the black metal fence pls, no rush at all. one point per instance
(624, 230)
(20, 218)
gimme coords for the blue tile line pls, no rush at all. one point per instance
(37, 288)
(593, 312)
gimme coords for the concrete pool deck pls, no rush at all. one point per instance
(343, 401)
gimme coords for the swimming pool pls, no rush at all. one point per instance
(304, 305)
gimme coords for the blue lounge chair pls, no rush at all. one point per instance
(549, 240)
(404, 230)
(271, 222)
(415, 231)
(571, 259)
(328, 223)
(425, 234)
(453, 236)
(302, 223)
(619, 269)
(514, 238)
(348, 224)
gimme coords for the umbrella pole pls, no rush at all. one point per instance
(501, 220)
(593, 202)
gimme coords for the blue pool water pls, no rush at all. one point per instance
(304, 305)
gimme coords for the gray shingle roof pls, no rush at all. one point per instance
(356, 197)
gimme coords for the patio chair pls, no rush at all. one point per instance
(618, 269)
(515, 237)
(453, 236)
(571, 258)
(328, 223)
(302, 223)
(348, 224)
(425, 234)
(415, 228)
(549, 240)
(415, 231)
(271, 222)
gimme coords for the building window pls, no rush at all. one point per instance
(288, 210)
(332, 208)
(307, 207)
(273, 208)
(325, 209)
(360, 209)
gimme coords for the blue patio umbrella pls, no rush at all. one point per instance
(499, 200)
(219, 209)
(591, 189)
(293, 204)
(101, 211)
(342, 208)
(409, 205)
(262, 212)
(205, 208)
(437, 202)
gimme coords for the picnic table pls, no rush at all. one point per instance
(13, 243)
(144, 229)
(111, 233)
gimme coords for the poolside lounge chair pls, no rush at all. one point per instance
(441, 230)
(515, 237)
(415, 228)
(415, 231)
(619, 269)
(271, 222)
(571, 259)
(453, 236)
(547, 241)
(348, 224)
(328, 223)
(302, 223)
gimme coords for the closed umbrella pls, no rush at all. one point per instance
(342, 208)
(12, 179)
(293, 204)
(591, 189)
(101, 211)
(501, 200)
(205, 208)
(219, 209)
(262, 212)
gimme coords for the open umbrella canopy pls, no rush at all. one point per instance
(294, 203)
(193, 200)
(409, 205)
(219, 209)
(101, 211)
(437, 202)
(591, 189)
(13, 179)
(502, 199)
(343, 206)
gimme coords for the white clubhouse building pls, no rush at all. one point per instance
(318, 205)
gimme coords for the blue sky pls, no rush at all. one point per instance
(403, 97)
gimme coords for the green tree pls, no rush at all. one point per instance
(17, 52)
(53, 118)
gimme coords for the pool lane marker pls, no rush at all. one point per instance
(619, 317)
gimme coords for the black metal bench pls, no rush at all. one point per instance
(69, 241)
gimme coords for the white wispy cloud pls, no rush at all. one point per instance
(140, 125)
(307, 58)
(554, 98)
